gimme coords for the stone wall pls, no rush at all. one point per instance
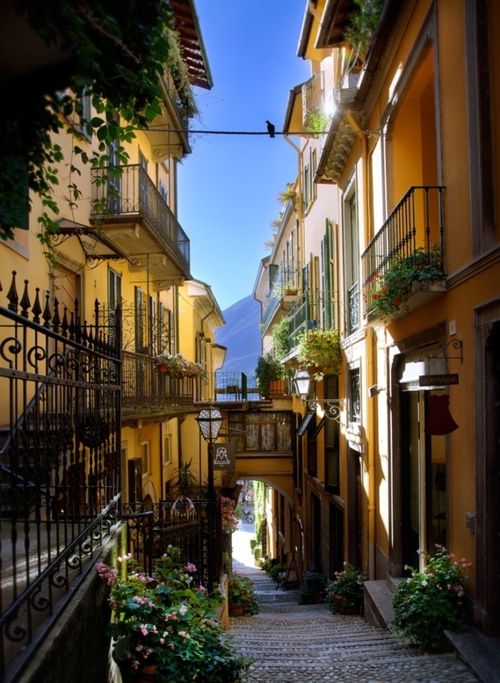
(77, 649)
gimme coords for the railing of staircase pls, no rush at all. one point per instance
(59, 460)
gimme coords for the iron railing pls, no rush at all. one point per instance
(145, 389)
(416, 222)
(235, 386)
(305, 315)
(128, 192)
(282, 290)
(59, 461)
(192, 525)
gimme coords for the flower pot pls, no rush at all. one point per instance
(276, 388)
(236, 611)
(147, 675)
(343, 605)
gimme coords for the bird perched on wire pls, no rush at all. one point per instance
(270, 129)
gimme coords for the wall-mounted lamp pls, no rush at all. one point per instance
(302, 386)
(375, 390)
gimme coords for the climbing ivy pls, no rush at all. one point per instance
(113, 50)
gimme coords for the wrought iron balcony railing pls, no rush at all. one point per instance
(284, 289)
(131, 194)
(417, 222)
(145, 389)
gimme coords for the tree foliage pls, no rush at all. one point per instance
(115, 51)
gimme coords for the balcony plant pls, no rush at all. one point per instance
(178, 367)
(164, 628)
(241, 596)
(432, 601)
(390, 294)
(361, 29)
(269, 369)
(345, 594)
(319, 351)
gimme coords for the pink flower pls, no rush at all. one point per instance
(190, 568)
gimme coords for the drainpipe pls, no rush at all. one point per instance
(370, 357)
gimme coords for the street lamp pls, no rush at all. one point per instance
(331, 406)
(210, 422)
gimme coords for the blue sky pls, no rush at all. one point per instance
(228, 187)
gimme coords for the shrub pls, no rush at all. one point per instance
(166, 622)
(393, 289)
(240, 594)
(431, 601)
(345, 594)
(313, 588)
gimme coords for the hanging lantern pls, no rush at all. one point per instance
(439, 420)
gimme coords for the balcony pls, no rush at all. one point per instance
(283, 293)
(135, 217)
(411, 237)
(146, 391)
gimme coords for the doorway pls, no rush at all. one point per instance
(423, 476)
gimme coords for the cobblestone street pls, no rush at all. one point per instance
(292, 643)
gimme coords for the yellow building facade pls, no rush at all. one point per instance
(398, 171)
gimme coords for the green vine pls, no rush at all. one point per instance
(116, 53)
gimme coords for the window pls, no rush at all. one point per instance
(114, 299)
(332, 439)
(144, 451)
(327, 278)
(139, 315)
(354, 395)
(166, 455)
(307, 176)
(351, 256)
(312, 449)
(84, 109)
(314, 167)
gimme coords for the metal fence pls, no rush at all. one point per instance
(192, 525)
(59, 460)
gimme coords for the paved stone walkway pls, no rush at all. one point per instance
(292, 643)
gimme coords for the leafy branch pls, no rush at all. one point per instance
(116, 53)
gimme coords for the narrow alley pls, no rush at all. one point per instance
(293, 643)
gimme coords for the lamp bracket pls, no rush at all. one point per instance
(331, 406)
(456, 344)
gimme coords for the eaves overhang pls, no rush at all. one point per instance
(191, 41)
(337, 148)
(305, 32)
(334, 23)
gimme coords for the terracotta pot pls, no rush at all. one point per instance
(344, 606)
(147, 675)
(236, 610)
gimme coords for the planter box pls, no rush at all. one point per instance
(277, 388)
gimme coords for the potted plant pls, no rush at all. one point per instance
(178, 367)
(432, 601)
(164, 627)
(345, 594)
(313, 588)
(319, 351)
(403, 277)
(241, 596)
(268, 370)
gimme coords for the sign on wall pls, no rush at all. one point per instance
(224, 456)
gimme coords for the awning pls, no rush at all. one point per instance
(301, 430)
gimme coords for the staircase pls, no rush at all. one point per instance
(292, 643)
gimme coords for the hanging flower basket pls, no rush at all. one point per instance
(319, 352)
(178, 367)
